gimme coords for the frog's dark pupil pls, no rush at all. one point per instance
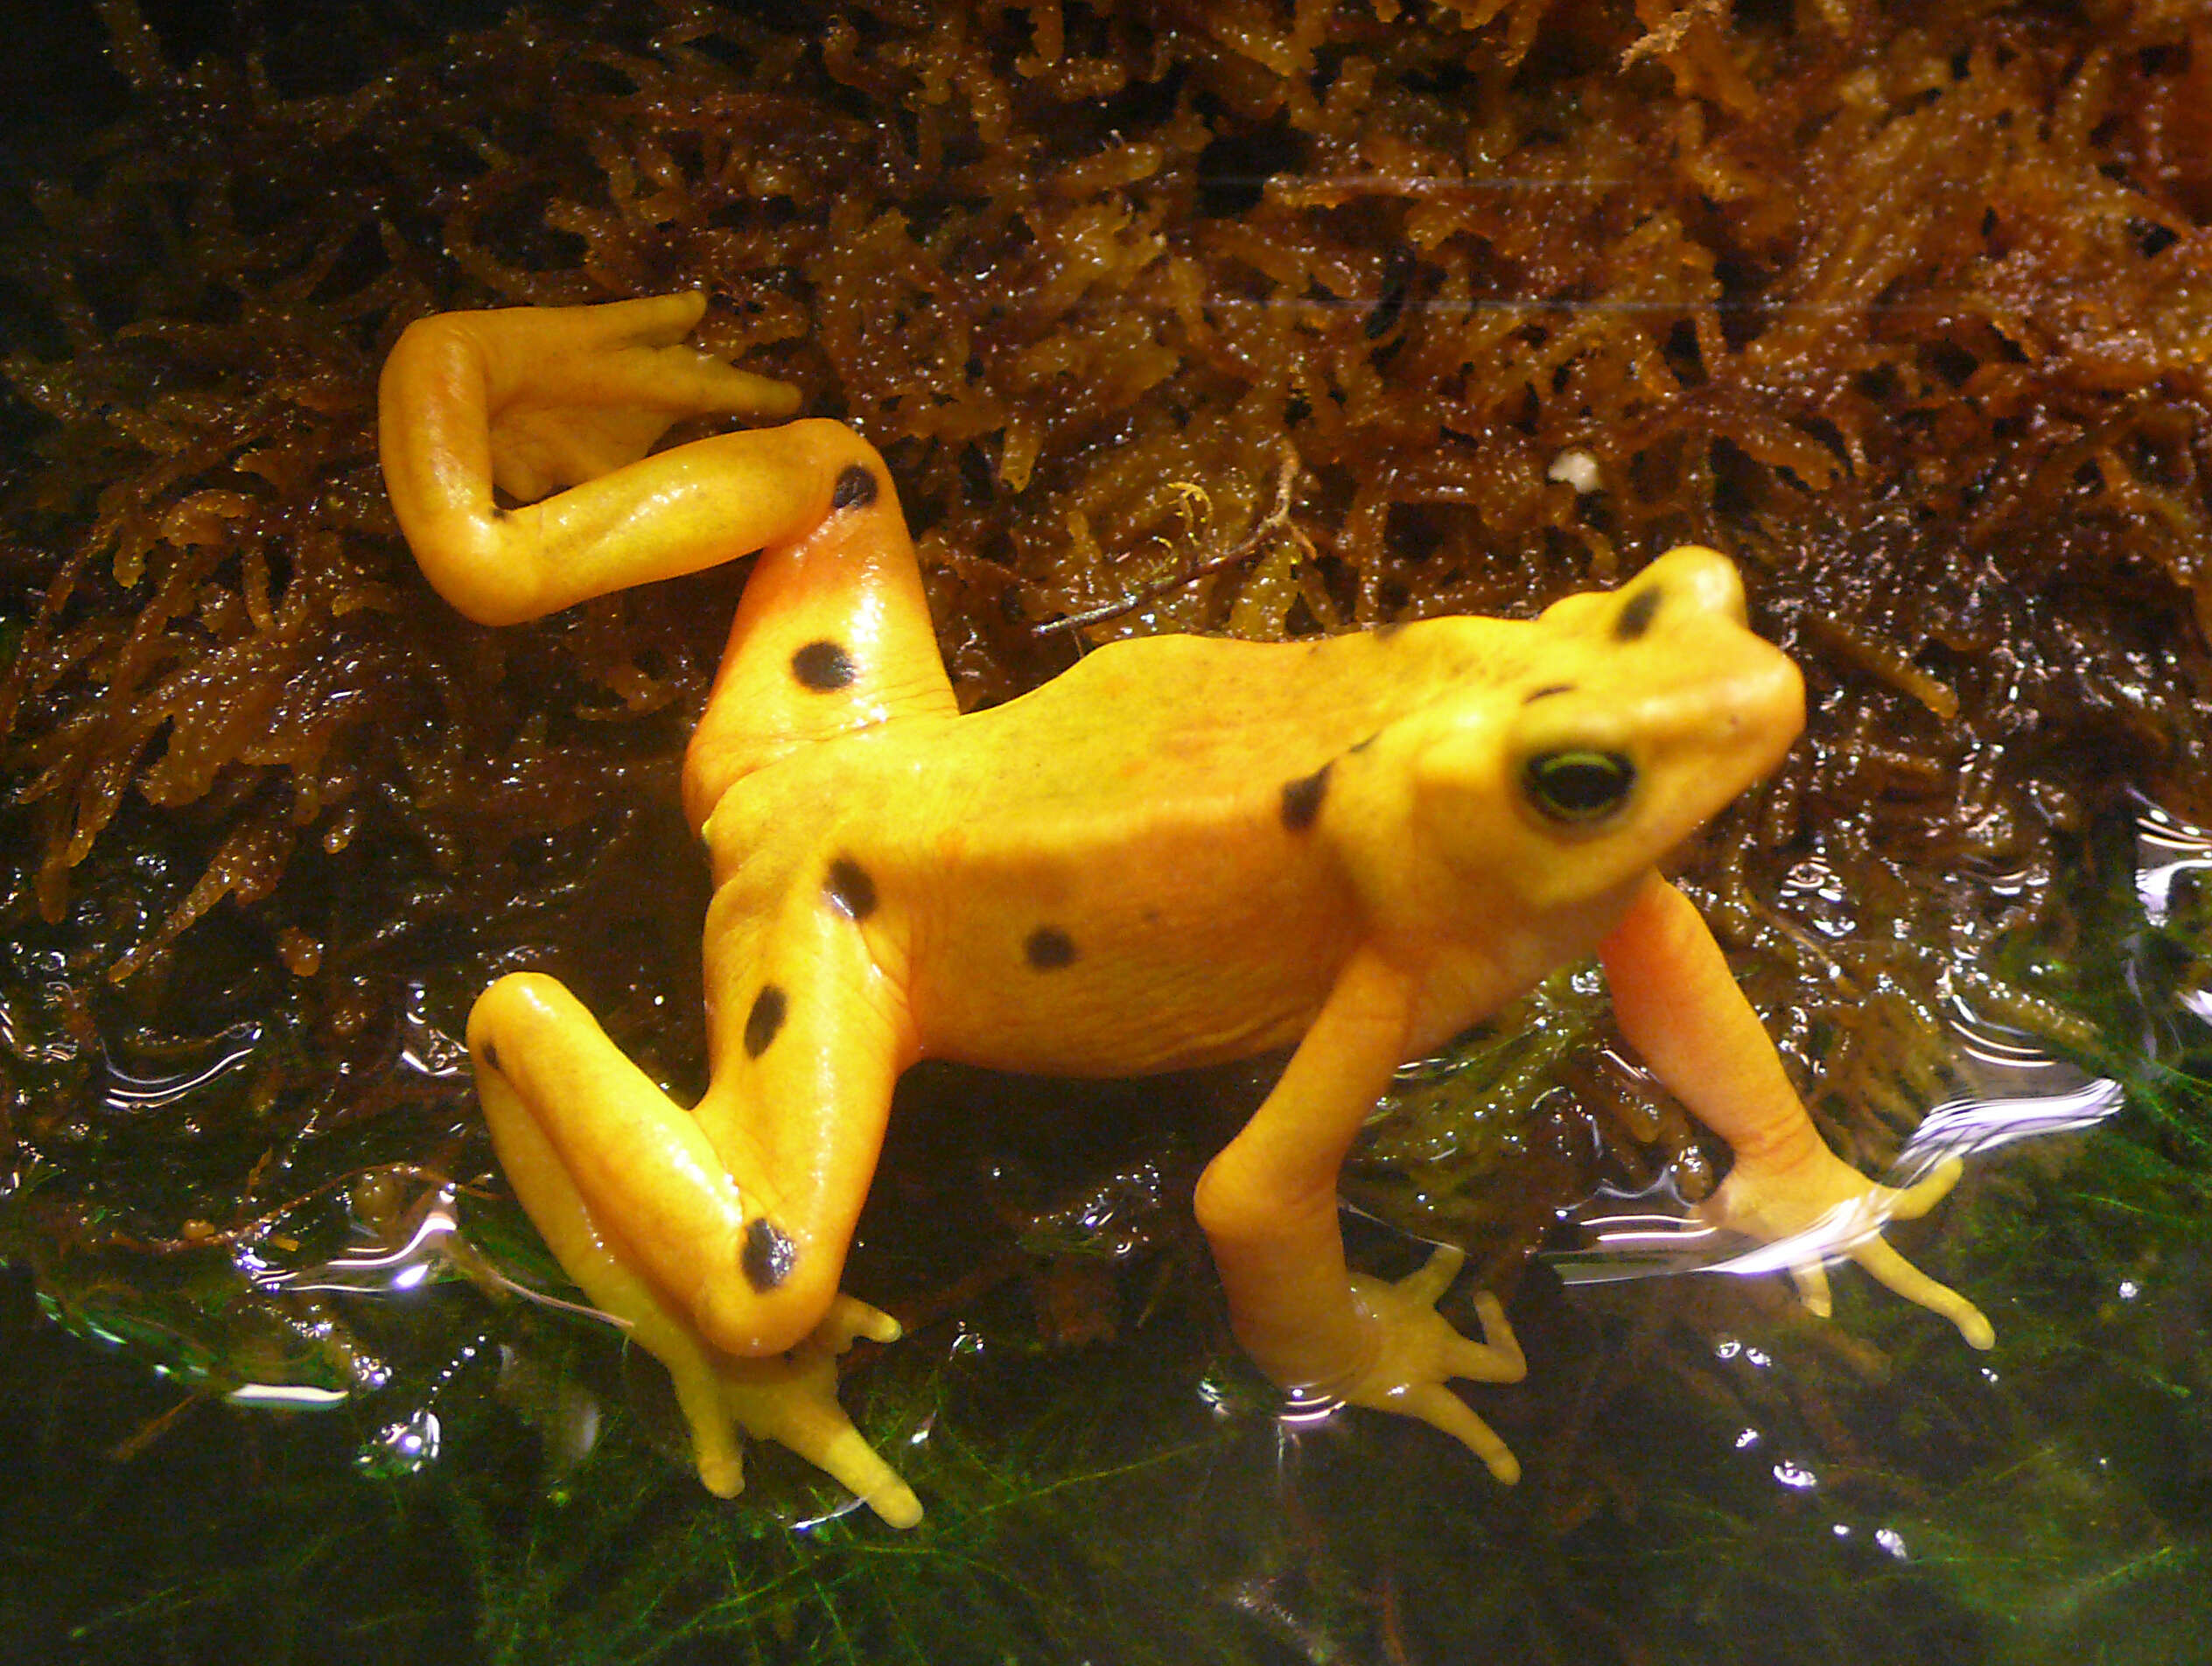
(1578, 786)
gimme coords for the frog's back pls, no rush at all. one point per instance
(1143, 824)
(1218, 721)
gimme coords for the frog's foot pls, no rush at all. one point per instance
(590, 389)
(1824, 1207)
(1415, 1351)
(792, 1399)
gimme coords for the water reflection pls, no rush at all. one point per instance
(2015, 1091)
(1637, 1234)
(2167, 849)
(434, 1250)
(228, 1049)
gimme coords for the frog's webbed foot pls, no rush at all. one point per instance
(1825, 1207)
(792, 1399)
(1415, 1351)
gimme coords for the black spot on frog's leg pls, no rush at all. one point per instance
(824, 667)
(856, 487)
(849, 890)
(1362, 745)
(766, 1018)
(1546, 692)
(1636, 614)
(491, 1057)
(1302, 799)
(1049, 948)
(767, 1255)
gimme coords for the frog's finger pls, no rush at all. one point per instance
(1433, 1279)
(1497, 1357)
(673, 381)
(1917, 1199)
(650, 320)
(1812, 1288)
(625, 355)
(1915, 1286)
(1438, 1407)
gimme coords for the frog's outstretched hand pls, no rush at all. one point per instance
(1682, 1010)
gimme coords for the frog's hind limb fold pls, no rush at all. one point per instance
(528, 400)
(567, 1110)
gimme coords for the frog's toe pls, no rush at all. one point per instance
(848, 1320)
(649, 321)
(716, 1450)
(1812, 1289)
(1917, 1199)
(721, 1473)
(1497, 1357)
(1908, 1281)
(1435, 1278)
(847, 1457)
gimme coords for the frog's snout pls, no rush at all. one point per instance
(1696, 580)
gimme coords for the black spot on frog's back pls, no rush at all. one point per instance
(1048, 948)
(824, 667)
(849, 889)
(1636, 614)
(856, 487)
(1302, 799)
(767, 1255)
(763, 1022)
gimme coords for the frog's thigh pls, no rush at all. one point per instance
(833, 633)
(648, 1184)
(540, 1179)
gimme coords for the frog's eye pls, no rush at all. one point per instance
(1578, 786)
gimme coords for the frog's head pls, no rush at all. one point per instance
(1635, 715)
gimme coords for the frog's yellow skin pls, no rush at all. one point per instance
(1181, 851)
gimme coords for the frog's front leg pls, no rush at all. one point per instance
(1268, 1204)
(642, 1210)
(1681, 1009)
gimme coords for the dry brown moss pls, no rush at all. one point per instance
(1910, 307)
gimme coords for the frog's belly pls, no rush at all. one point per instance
(1125, 965)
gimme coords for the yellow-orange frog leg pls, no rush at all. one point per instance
(1269, 1202)
(1682, 1010)
(717, 1235)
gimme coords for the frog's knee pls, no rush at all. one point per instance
(777, 1300)
(507, 1010)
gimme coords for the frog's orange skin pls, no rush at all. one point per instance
(1181, 851)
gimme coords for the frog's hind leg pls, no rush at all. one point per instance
(833, 633)
(592, 1146)
(807, 1032)
(562, 404)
